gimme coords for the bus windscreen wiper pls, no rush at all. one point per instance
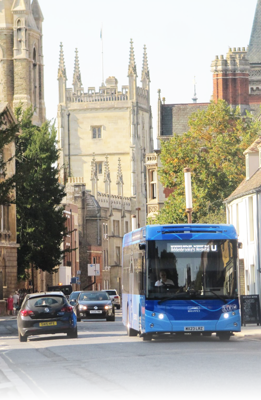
(173, 297)
(219, 297)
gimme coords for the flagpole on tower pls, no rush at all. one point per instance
(101, 37)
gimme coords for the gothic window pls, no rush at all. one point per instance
(96, 132)
(105, 231)
(116, 228)
(4, 217)
(34, 79)
(98, 167)
(153, 184)
(118, 255)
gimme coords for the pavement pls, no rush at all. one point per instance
(250, 330)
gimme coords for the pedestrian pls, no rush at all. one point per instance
(10, 305)
(16, 299)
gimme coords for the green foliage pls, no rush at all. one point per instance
(213, 150)
(40, 220)
(8, 132)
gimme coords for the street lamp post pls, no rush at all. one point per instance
(188, 193)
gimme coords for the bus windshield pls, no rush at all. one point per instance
(191, 269)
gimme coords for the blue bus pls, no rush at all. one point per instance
(181, 279)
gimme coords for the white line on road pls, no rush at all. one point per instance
(15, 381)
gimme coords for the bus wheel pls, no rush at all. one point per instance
(224, 336)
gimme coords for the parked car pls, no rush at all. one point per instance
(115, 298)
(95, 305)
(46, 313)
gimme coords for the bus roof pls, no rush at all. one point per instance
(181, 232)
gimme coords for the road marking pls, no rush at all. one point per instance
(16, 382)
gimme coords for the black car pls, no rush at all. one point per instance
(46, 313)
(94, 305)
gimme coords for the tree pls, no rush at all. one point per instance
(213, 149)
(40, 220)
(8, 131)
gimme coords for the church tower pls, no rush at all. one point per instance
(97, 127)
(21, 56)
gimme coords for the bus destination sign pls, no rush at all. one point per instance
(192, 248)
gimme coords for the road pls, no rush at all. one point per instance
(103, 363)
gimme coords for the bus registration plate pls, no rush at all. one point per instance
(194, 328)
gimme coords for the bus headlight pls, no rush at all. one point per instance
(226, 315)
(161, 316)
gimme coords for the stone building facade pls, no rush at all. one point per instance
(103, 219)
(21, 82)
(8, 242)
(104, 136)
(21, 56)
(110, 124)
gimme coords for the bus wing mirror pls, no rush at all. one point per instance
(240, 245)
(142, 246)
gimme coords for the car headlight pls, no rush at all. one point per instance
(81, 307)
(107, 307)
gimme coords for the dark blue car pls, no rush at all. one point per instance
(46, 313)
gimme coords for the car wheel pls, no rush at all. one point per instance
(112, 318)
(73, 334)
(118, 307)
(22, 338)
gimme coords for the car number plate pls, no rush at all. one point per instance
(194, 328)
(95, 311)
(48, 323)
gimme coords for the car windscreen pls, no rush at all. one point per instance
(74, 295)
(111, 292)
(46, 301)
(94, 296)
(202, 269)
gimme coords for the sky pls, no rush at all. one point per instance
(182, 39)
